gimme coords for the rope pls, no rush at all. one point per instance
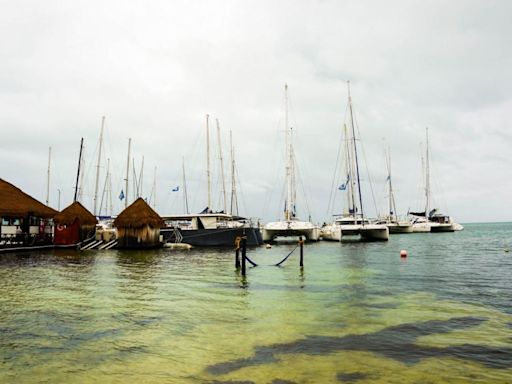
(250, 261)
(287, 256)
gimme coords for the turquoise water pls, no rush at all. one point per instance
(355, 313)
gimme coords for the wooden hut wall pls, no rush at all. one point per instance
(67, 234)
(145, 237)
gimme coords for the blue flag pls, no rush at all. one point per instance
(121, 195)
(343, 187)
(176, 189)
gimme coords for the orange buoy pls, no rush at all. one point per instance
(403, 253)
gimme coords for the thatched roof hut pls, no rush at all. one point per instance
(138, 226)
(74, 224)
(137, 215)
(16, 203)
(73, 212)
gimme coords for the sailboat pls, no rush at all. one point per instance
(210, 228)
(395, 225)
(352, 224)
(431, 220)
(290, 226)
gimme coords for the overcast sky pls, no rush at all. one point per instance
(156, 68)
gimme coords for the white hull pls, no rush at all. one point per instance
(374, 232)
(368, 232)
(399, 227)
(331, 232)
(421, 227)
(457, 227)
(291, 229)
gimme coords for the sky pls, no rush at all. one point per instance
(155, 69)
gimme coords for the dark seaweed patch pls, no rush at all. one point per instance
(351, 377)
(397, 342)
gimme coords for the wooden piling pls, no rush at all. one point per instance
(301, 243)
(244, 252)
(237, 253)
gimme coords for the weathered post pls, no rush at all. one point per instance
(244, 252)
(237, 252)
(301, 243)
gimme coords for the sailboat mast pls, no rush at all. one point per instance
(355, 152)
(427, 180)
(392, 205)
(127, 172)
(48, 178)
(223, 181)
(141, 177)
(289, 154)
(208, 174)
(185, 196)
(349, 184)
(234, 203)
(98, 167)
(78, 170)
(153, 194)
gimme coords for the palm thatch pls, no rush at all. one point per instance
(16, 203)
(139, 214)
(73, 212)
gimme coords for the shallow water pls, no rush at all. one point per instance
(356, 313)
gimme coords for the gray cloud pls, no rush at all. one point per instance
(155, 69)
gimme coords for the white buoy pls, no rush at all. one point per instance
(403, 253)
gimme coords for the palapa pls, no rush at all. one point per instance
(73, 212)
(139, 214)
(16, 203)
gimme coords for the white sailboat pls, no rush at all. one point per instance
(352, 224)
(291, 226)
(395, 225)
(431, 220)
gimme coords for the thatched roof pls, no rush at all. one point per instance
(73, 212)
(16, 203)
(137, 215)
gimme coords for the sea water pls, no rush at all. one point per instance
(356, 313)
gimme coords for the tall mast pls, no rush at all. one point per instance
(82, 177)
(98, 167)
(185, 197)
(355, 152)
(349, 186)
(152, 197)
(234, 203)
(392, 204)
(223, 181)
(48, 178)
(109, 196)
(208, 174)
(78, 170)
(427, 180)
(104, 194)
(289, 158)
(127, 172)
(141, 177)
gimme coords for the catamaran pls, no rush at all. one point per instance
(395, 225)
(290, 226)
(431, 220)
(352, 224)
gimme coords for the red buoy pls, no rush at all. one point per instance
(403, 253)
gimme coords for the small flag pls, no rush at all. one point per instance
(121, 195)
(343, 187)
(176, 189)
